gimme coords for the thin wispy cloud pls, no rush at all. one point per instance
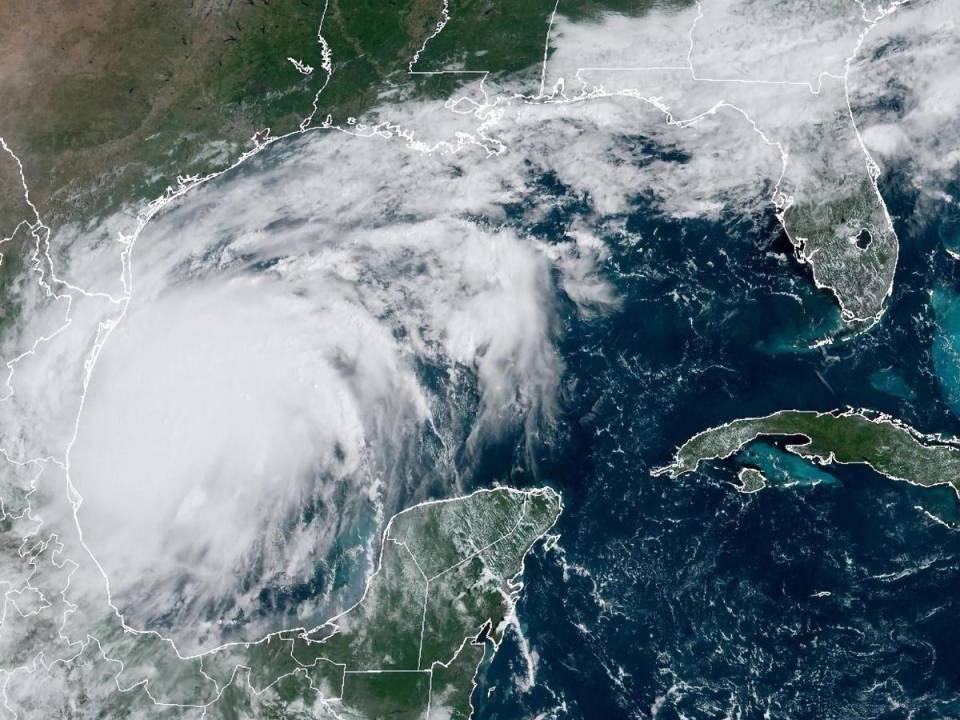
(341, 325)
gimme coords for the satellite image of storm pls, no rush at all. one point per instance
(480, 359)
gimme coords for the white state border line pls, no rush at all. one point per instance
(262, 140)
(676, 469)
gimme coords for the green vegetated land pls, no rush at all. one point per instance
(487, 36)
(107, 102)
(447, 578)
(445, 583)
(851, 247)
(509, 39)
(886, 445)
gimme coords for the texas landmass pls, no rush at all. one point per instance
(439, 602)
(112, 107)
(887, 445)
(109, 103)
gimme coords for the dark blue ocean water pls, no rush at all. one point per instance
(686, 599)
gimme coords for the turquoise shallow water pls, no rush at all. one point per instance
(831, 595)
(946, 344)
(781, 468)
(891, 382)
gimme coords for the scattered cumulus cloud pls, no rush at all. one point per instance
(323, 334)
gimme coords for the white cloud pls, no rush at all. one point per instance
(276, 356)
(775, 40)
(905, 90)
(888, 140)
(305, 328)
